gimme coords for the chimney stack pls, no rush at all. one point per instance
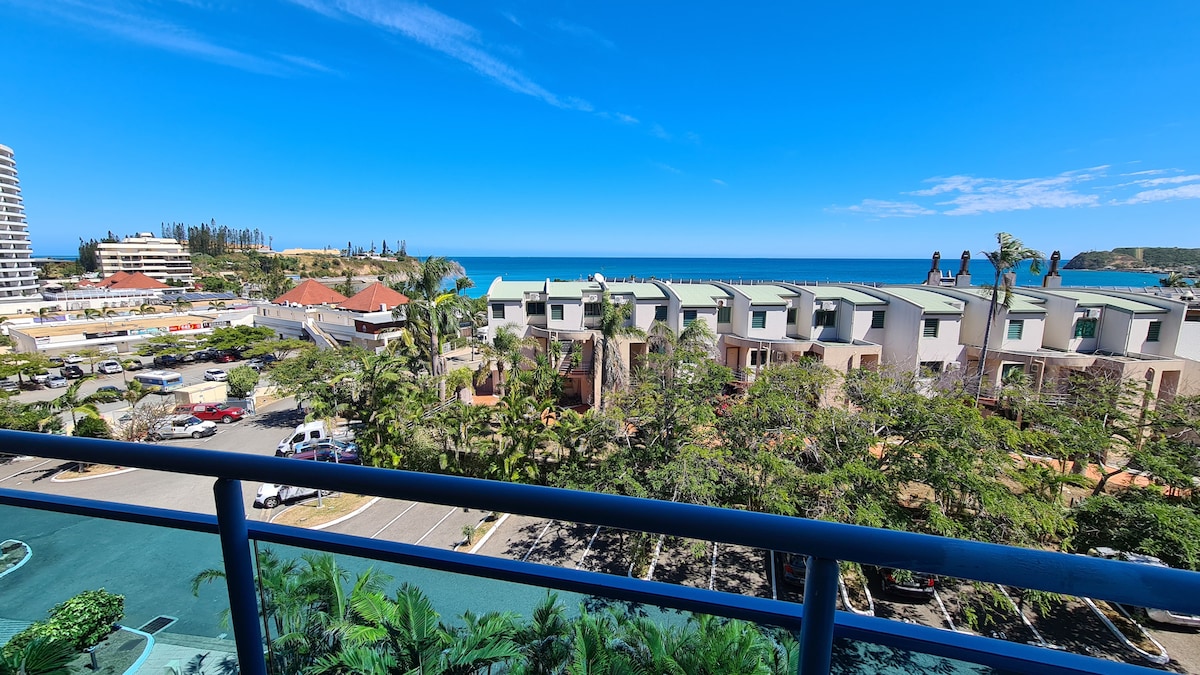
(963, 278)
(1052, 279)
(934, 278)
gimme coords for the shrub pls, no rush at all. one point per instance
(242, 381)
(92, 427)
(80, 622)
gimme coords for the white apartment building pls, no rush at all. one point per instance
(18, 277)
(156, 257)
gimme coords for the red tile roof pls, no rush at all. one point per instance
(310, 292)
(374, 298)
(125, 280)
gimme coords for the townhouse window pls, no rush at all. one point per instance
(1086, 328)
(1016, 328)
(689, 317)
(930, 368)
(497, 311)
(1153, 331)
(660, 313)
(758, 319)
(825, 317)
(556, 312)
(535, 308)
(758, 357)
(724, 314)
(877, 318)
(591, 309)
(791, 316)
(930, 329)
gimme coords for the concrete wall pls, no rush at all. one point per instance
(946, 347)
(1059, 326)
(901, 333)
(1031, 336)
(1115, 330)
(1189, 340)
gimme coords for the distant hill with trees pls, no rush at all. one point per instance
(1131, 258)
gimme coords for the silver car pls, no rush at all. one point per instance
(183, 426)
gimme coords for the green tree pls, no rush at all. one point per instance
(238, 337)
(217, 284)
(92, 427)
(1173, 280)
(1140, 521)
(614, 326)
(1008, 256)
(40, 656)
(242, 380)
(432, 310)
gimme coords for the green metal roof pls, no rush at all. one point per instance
(640, 290)
(698, 295)
(766, 294)
(1021, 303)
(571, 290)
(848, 294)
(514, 290)
(1086, 299)
(928, 301)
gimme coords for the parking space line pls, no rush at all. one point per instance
(436, 525)
(581, 564)
(45, 461)
(771, 573)
(949, 621)
(410, 508)
(538, 540)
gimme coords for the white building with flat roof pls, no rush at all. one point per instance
(156, 257)
(18, 276)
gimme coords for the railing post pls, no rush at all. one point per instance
(239, 575)
(820, 603)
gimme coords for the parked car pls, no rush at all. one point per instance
(908, 582)
(40, 378)
(256, 364)
(134, 364)
(215, 412)
(57, 361)
(1158, 615)
(183, 426)
(165, 360)
(57, 382)
(224, 357)
(795, 568)
(71, 372)
(203, 354)
(328, 450)
(186, 358)
(73, 358)
(9, 385)
(109, 367)
(271, 495)
(307, 432)
(215, 375)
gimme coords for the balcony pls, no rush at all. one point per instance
(110, 534)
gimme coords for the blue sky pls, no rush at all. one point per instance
(615, 128)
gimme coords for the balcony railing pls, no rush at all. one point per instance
(816, 620)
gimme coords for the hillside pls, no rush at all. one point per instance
(1137, 259)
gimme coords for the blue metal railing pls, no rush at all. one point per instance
(817, 619)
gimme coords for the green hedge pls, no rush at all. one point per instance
(80, 622)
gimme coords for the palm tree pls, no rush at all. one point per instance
(146, 309)
(1009, 255)
(90, 313)
(45, 314)
(180, 305)
(433, 307)
(218, 305)
(1173, 280)
(40, 656)
(70, 401)
(614, 319)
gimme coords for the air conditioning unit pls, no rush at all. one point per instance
(827, 306)
(592, 298)
(535, 296)
(1091, 313)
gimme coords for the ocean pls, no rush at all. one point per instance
(483, 270)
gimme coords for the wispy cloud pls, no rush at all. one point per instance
(304, 62)
(137, 24)
(657, 131)
(885, 209)
(665, 167)
(720, 182)
(1165, 194)
(587, 34)
(446, 35)
(964, 195)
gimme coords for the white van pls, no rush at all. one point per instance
(271, 495)
(309, 431)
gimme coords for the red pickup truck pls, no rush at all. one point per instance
(214, 412)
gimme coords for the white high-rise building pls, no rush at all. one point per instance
(18, 277)
(157, 257)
